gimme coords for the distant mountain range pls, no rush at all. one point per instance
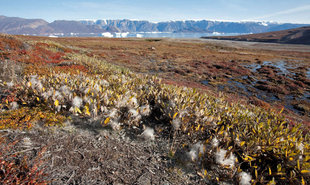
(290, 36)
(16, 25)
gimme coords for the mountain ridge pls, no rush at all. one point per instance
(16, 25)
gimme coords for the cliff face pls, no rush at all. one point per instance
(15, 25)
(192, 26)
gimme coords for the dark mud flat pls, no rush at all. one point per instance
(287, 83)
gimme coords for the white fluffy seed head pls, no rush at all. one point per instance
(77, 102)
(148, 133)
(176, 123)
(196, 150)
(35, 83)
(14, 105)
(300, 146)
(145, 110)
(39, 86)
(113, 113)
(193, 155)
(65, 90)
(226, 161)
(134, 101)
(105, 83)
(133, 113)
(115, 125)
(215, 142)
(122, 102)
(57, 96)
(245, 178)
(10, 84)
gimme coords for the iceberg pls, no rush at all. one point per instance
(107, 34)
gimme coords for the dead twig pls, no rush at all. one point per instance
(71, 177)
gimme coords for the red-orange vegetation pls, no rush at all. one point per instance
(16, 169)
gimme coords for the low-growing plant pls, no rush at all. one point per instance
(17, 169)
(243, 141)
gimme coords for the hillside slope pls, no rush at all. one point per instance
(87, 121)
(291, 36)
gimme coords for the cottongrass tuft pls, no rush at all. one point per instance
(14, 105)
(113, 113)
(300, 147)
(10, 84)
(77, 102)
(115, 125)
(221, 159)
(148, 133)
(65, 90)
(35, 83)
(176, 123)
(145, 110)
(215, 142)
(245, 178)
(134, 101)
(196, 150)
(133, 113)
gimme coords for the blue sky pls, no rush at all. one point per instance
(296, 11)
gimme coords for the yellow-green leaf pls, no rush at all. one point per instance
(106, 121)
(305, 171)
(78, 110)
(56, 103)
(175, 115)
(242, 143)
(87, 110)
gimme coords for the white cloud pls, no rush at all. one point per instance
(287, 12)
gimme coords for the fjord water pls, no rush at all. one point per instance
(147, 34)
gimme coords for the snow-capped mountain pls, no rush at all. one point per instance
(15, 25)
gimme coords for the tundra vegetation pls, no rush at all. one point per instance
(47, 84)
